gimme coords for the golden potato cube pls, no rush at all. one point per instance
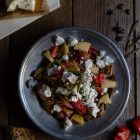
(78, 119)
(105, 99)
(82, 46)
(108, 84)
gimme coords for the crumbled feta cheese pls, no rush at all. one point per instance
(67, 123)
(13, 5)
(104, 91)
(30, 83)
(72, 41)
(100, 63)
(74, 92)
(59, 68)
(108, 60)
(47, 92)
(87, 79)
(61, 90)
(88, 64)
(73, 99)
(59, 40)
(95, 110)
(102, 53)
(91, 97)
(69, 76)
(28, 5)
(56, 108)
(65, 57)
(93, 94)
(78, 95)
(72, 78)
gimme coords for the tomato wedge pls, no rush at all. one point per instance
(122, 134)
(54, 51)
(79, 107)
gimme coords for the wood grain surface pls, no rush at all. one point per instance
(137, 62)
(83, 13)
(4, 84)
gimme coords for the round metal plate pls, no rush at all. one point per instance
(91, 128)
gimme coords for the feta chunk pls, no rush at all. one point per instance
(59, 40)
(73, 99)
(72, 41)
(28, 5)
(93, 94)
(88, 64)
(61, 90)
(87, 81)
(91, 97)
(47, 92)
(56, 108)
(104, 91)
(95, 110)
(67, 123)
(13, 5)
(65, 57)
(69, 76)
(59, 67)
(99, 62)
(102, 53)
(76, 93)
(108, 60)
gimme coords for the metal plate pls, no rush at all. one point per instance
(93, 127)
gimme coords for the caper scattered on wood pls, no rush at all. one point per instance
(127, 11)
(119, 30)
(110, 12)
(119, 37)
(120, 6)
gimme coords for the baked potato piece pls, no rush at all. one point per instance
(105, 99)
(82, 46)
(78, 119)
(108, 84)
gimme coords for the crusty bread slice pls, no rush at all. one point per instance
(16, 133)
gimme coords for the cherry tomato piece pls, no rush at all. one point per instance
(122, 134)
(136, 125)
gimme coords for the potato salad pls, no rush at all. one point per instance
(75, 81)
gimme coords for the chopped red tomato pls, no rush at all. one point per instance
(99, 78)
(91, 51)
(79, 107)
(99, 89)
(54, 51)
(122, 134)
(78, 58)
(136, 125)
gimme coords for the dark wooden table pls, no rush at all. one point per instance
(83, 13)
